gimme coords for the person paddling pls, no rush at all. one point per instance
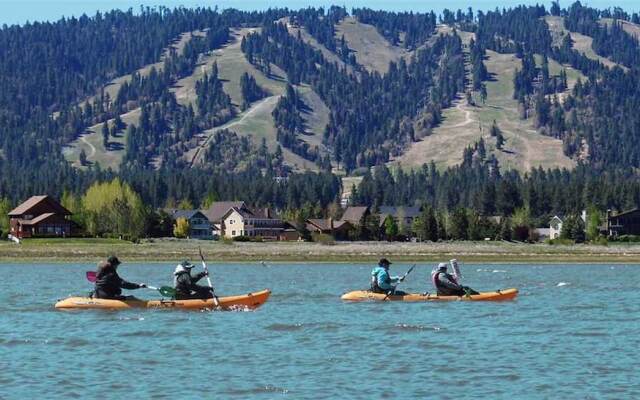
(186, 285)
(448, 285)
(108, 284)
(381, 281)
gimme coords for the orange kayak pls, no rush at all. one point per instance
(241, 302)
(364, 295)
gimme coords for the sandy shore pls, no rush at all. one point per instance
(170, 250)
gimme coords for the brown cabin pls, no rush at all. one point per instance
(624, 223)
(40, 216)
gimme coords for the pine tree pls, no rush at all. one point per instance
(105, 135)
(83, 157)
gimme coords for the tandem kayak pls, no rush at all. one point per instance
(364, 295)
(246, 301)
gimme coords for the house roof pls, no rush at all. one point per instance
(34, 201)
(242, 211)
(36, 220)
(355, 214)
(187, 214)
(558, 217)
(624, 212)
(219, 209)
(264, 213)
(324, 224)
(409, 212)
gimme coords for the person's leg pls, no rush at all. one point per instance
(468, 290)
(203, 292)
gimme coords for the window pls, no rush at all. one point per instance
(233, 233)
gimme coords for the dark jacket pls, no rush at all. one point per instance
(187, 288)
(109, 285)
(446, 285)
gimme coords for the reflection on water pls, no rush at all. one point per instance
(572, 333)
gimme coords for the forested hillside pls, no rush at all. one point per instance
(166, 97)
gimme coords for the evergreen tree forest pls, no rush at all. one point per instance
(53, 77)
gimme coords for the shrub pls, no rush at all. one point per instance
(601, 241)
(242, 239)
(561, 242)
(323, 239)
(628, 238)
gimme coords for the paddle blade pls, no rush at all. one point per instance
(167, 291)
(91, 276)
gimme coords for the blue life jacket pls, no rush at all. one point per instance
(380, 280)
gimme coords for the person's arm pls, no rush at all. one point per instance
(130, 285)
(198, 277)
(444, 280)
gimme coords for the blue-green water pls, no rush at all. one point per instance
(573, 333)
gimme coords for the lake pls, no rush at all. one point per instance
(572, 333)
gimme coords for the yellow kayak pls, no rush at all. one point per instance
(364, 295)
(246, 301)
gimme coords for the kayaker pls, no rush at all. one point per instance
(381, 281)
(446, 284)
(109, 285)
(186, 285)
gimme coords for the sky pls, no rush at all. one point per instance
(20, 11)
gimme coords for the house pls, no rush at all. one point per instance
(289, 233)
(555, 227)
(354, 215)
(338, 229)
(624, 223)
(252, 223)
(555, 224)
(40, 216)
(199, 225)
(217, 211)
(404, 216)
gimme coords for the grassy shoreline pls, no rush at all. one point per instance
(92, 250)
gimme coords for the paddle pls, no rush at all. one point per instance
(399, 282)
(204, 266)
(166, 291)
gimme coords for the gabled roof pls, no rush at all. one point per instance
(244, 212)
(36, 220)
(324, 224)
(625, 212)
(355, 214)
(187, 214)
(263, 213)
(409, 212)
(217, 210)
(559, 217)
(33, 201)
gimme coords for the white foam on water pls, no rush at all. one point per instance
(560, 284)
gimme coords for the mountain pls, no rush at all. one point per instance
(186, 91)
